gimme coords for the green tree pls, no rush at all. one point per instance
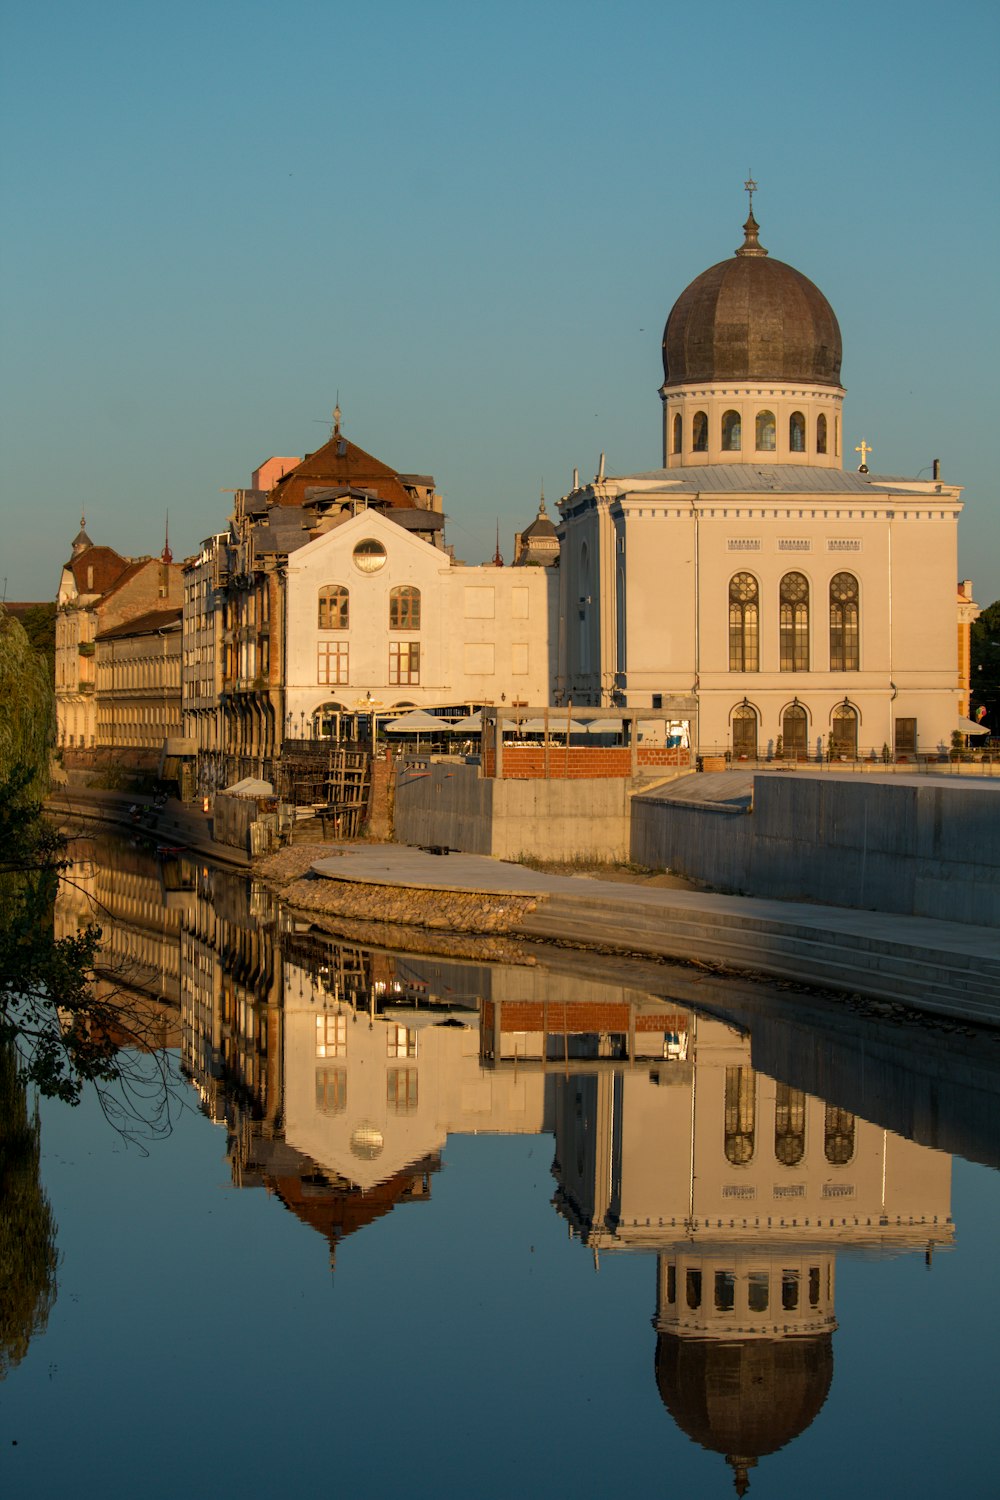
(28, 1257)
(985, 684)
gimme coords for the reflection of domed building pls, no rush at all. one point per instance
(754, 586)
(746, 1188)
(744, 1399)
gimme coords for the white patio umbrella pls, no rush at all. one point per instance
(969, 726)
(417, 721)
(471, 724)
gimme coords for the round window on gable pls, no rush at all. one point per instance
(369, 556)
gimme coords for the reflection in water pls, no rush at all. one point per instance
(28, 1256)
(339, 1072)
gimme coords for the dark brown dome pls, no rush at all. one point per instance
(752, 318)
(746, 1398)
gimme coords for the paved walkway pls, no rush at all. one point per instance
(946, 967)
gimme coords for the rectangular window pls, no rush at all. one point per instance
(906, 736)
(400, 1041)
(401, 1090)
(332, 661)
(794, 638)
(404, 662)
(331, 1036)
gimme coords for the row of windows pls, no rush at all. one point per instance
(789, 1123)
(793, 623)
(333, 662)
(758, 1289)
(765, 433)
(795, 732)
(335, 608)
(402, 1090)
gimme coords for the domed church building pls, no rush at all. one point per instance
(764, 589)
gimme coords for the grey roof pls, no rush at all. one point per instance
(273, 540)
(786, 479)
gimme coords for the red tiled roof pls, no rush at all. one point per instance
(339, 462)
(107, 565)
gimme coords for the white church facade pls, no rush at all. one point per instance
(753, 588)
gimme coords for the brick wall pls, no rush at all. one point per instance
(579, 1017)
(527, 762)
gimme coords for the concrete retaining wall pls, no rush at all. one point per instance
(925, 851)
(446, 802)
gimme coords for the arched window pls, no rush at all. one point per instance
(699, 433)
(794, 623)
(845, 653)
(678, 432)
(838, 1136)
(404, 608)
(693, 1288)
(334, 607)
(844, 732)
(744, 623)
(821, 433)
(789, 1125)
(794, 732)
(732, 432)
(797, 432)
(744, 732)
(765, 432)
(741, 1088)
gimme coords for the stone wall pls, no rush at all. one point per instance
(447, 802)
(926, 850)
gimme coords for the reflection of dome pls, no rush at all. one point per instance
(746, 1398)
(366, 1141)
(751, 318)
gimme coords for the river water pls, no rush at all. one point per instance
(450, 1228)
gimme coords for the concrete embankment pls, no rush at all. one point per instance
(942, 967)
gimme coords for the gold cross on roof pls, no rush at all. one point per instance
(864, 449)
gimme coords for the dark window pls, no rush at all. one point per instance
(694, 1289)
(797, 432)
(794, 623)
(765, 432)
(814, 1286)
(906, 736)
(732, 432)
(795, 732)
(789, 1290)
(678, 431)
(845, 655)
(725, 1291)
(838, 1136)
(745, 732)
(757, 1291)
(699, 433)
(789, 1125)
(740, 1115)
(671, 1283)
(743, 623)
(821, 433)
(844, 732)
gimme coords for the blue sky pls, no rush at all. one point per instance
(471, 221)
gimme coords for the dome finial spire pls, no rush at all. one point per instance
(751, 245)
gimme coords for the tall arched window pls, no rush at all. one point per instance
(821, 433)
(794, 623)
(795, 732)
(789, 1125)
(797, 432)
(404, 608)
(678, 432)
(740, 1122)
(744, 732)
(699, 433)
(744, 623)
(845, 654)
(732, 432)
(334, 607)
(844, 732)
(838, 1136)
(765, 432)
